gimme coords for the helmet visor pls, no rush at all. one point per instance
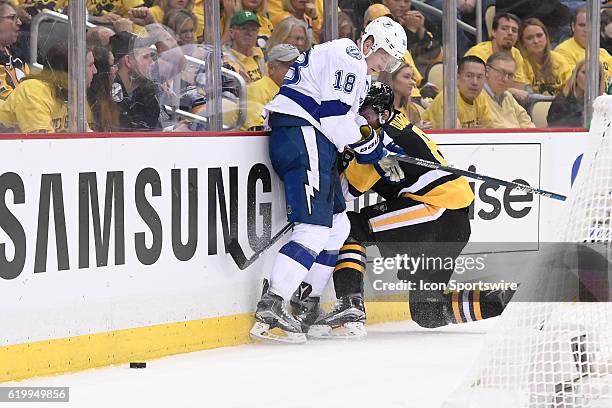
(389, 62)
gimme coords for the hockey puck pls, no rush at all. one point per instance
(138, 365)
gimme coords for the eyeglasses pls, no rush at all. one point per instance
(13, 17)
(504, 74)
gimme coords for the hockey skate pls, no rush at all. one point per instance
(306, 309)
(274, 323)
(345, 321)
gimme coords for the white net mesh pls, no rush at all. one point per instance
(558, 355)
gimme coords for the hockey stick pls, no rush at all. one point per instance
(510, 184)
(237, 254)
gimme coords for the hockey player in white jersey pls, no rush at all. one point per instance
(314, 116)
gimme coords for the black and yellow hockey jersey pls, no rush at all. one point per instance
(12, 71)
(435, 188)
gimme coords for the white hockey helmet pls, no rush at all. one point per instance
(388, 35)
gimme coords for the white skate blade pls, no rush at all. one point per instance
(352, 330)
(262, 332)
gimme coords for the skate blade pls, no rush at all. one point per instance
(262, 332)
(353, 330)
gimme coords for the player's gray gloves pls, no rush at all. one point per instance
(389, 168)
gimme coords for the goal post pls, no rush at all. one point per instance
(544, 353)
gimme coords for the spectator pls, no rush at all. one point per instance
(99, 36)
(573, 49)
(275, 10)
(422, 45)
(103, 109)
(108, 12)
(243, 55)
(162, 7)
(402, 82)
(503, 39)
(259, 93)
(182, 22)
(552, 13)
(265, 25)
(291, 31)
(133, 91)
(473, 109)
(12, 69)
(506, 111)
(303, 10)
(346, 29)
(228, 9)
(38, 103)
(546, 70)
(567, 109)
(374, 11)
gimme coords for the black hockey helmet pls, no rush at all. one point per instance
(380, 97)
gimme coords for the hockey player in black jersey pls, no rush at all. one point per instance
(424, 213)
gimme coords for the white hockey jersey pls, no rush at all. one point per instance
(326, 85)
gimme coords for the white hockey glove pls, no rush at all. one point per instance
(390, 169)
(369, 149)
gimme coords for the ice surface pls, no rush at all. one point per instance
(398, 365)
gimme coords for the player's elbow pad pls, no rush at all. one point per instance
(370, 149)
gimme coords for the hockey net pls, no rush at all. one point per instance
(546, 354)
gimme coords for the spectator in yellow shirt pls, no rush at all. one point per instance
(503, 39)
(259, 93)
(545, 69)
(230, 7)
(275, 9)
(305, 10)
(473, 109)
(265, 25)
(38, 104)
(291, 31)
(573, 49)
(244, 56)
(506, 111)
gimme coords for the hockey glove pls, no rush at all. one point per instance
(369, 150)
(389, 168)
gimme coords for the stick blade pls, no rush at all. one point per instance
(235, 250)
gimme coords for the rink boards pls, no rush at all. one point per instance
(112, 248)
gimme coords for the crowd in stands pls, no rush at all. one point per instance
(139, 73)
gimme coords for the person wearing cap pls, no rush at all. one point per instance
(133, 90)
(375, 11)
(243, 55)
(259, 93)
(141, 73)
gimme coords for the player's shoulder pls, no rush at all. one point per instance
(345, 50)
(397, 125)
